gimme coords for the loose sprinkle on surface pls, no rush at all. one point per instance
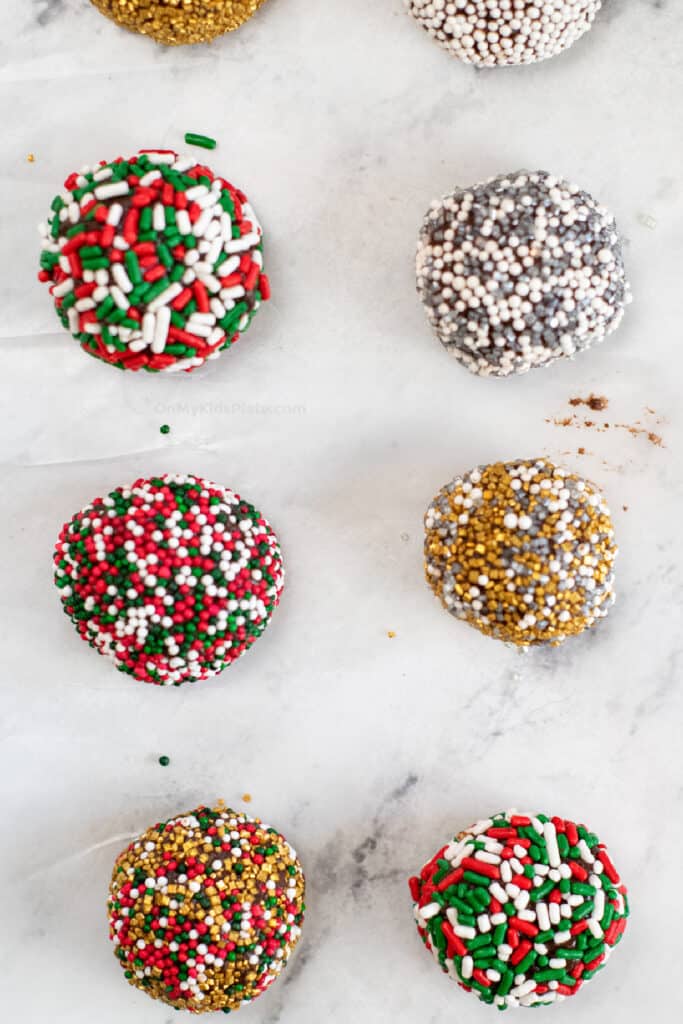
(203, 141)
(488, 33)
(521, 909)
(520, 271)
(523, 551)
(31, 158)
(164, 761)
(205, 909)
(164, 429)
(153, 262)
(174, 578)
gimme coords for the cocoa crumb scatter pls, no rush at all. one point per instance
(594, 402)
(635, 429)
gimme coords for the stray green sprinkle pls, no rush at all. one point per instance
(164, 761)
(164, 429)
(205, 141)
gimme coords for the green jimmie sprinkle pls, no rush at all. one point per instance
(203, 141)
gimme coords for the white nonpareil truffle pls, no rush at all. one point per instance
(498, 32)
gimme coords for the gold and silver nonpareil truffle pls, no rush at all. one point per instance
(523, 551)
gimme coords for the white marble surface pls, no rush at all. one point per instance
(340, 416)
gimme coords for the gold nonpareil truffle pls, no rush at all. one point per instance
(179, 22)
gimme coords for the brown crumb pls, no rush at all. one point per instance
(637, 431)
(391, 634)
(625, 508)
(594, 402)
(580, 451)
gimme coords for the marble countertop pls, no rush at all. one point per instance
(340, 416)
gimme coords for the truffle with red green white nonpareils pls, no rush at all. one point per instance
(519, 271)
(499, 32)
(173, 577)
(153, 262)
(521, 909)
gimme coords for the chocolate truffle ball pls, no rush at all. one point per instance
(497, 32)
(523, 551)
(153, 262)
(520, 271)
(173, 578)
(205, 909)
(521, 909)
(178, 22)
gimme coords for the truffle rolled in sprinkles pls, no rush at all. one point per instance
(499, 32)
(173, 578)
(521, 909)
(523, 551)
(179, 22)
(153, 262)
(519, 271)
(205, 909)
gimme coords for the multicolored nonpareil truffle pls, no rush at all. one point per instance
(173, 578)
(153, 262)
(205, 909)
(521, 909)
(520, 271)
(523, 551)
(498, 32)
(179, 22)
